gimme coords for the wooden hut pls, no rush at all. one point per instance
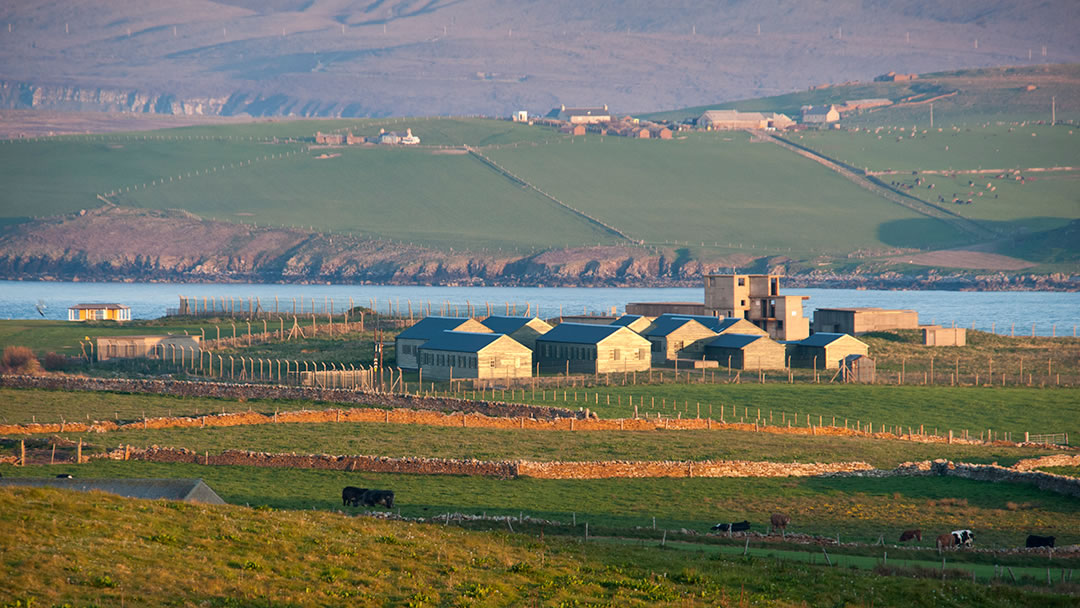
(746, 351)
(637, 323)
(825, 350)
(461, 354)
(408, 342)
(148, 347)
(524, 330)
(588, 348)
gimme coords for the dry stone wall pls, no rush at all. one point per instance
(503, 468)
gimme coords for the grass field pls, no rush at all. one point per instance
(400, 441)
(235, 556)
(718, 189)
(859, 509)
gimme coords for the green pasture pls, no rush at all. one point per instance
(63, 337)
(949, 148)
(62, 549)
(858, 509)
(48, 177)
(413, 195)
(401, 440)
(718, 189)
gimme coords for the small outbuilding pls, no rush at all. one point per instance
(858, 368)
(586, 348)
(746, 351)
(408, 342)
(935, 335)
(524, 330)
(825, 350)
(99, 312)
(148, 347)
(461, 354)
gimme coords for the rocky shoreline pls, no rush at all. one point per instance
(135, 245)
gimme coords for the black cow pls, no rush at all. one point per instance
(738, 526)
(352, 496)
(377, 497)
(1040, 541)
(64, 476)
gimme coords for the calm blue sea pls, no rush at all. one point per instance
(1050, 311)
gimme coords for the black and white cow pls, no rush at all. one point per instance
(1040, 541)
(963, 538)
(738, 526)
(352, 496)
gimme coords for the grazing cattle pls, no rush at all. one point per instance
(907, 535)
(1040, 541)
(377, 497)
(963, 538)
(352, 496)
(945, 541)
(738, 526)
(779, 520)
(64, 476)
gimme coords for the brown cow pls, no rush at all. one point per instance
(907, 535)
(945, 541)
(779, 520)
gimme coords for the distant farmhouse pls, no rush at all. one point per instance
(734, 119)
(384, 137)
(820, 114)
(853, 105)
(894, 77)
(99, 312)
(582, 116)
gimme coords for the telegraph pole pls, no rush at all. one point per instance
(1053, 110)
(931, 116)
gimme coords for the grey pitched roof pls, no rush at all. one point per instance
(505, 325)
(429, 327)
(187, 490)
(664, 325)
(733, 340)
(460, 341)
(716, 324)
(579, 333)
(821, 338)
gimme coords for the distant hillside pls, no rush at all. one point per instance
(968, 97)
(374, 58)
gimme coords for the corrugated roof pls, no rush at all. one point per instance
(506, 325)
(626, 320)
(461, 341)
(717, 324)
(733, 340)
(188, 490)
(429, 327)
(579, 333)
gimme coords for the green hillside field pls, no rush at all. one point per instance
(719, 189)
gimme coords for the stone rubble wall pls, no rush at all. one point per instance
(1055, 460)
(1060, 484)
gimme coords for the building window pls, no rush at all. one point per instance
(491, 363)
(616, 355)
(742, 282)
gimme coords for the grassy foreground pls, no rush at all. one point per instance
(858, 509)
(60, 549)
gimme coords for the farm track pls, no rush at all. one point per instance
(871, 183)
(522, 182)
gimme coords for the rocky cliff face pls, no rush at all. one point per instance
(76, 98)
(117, 243)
